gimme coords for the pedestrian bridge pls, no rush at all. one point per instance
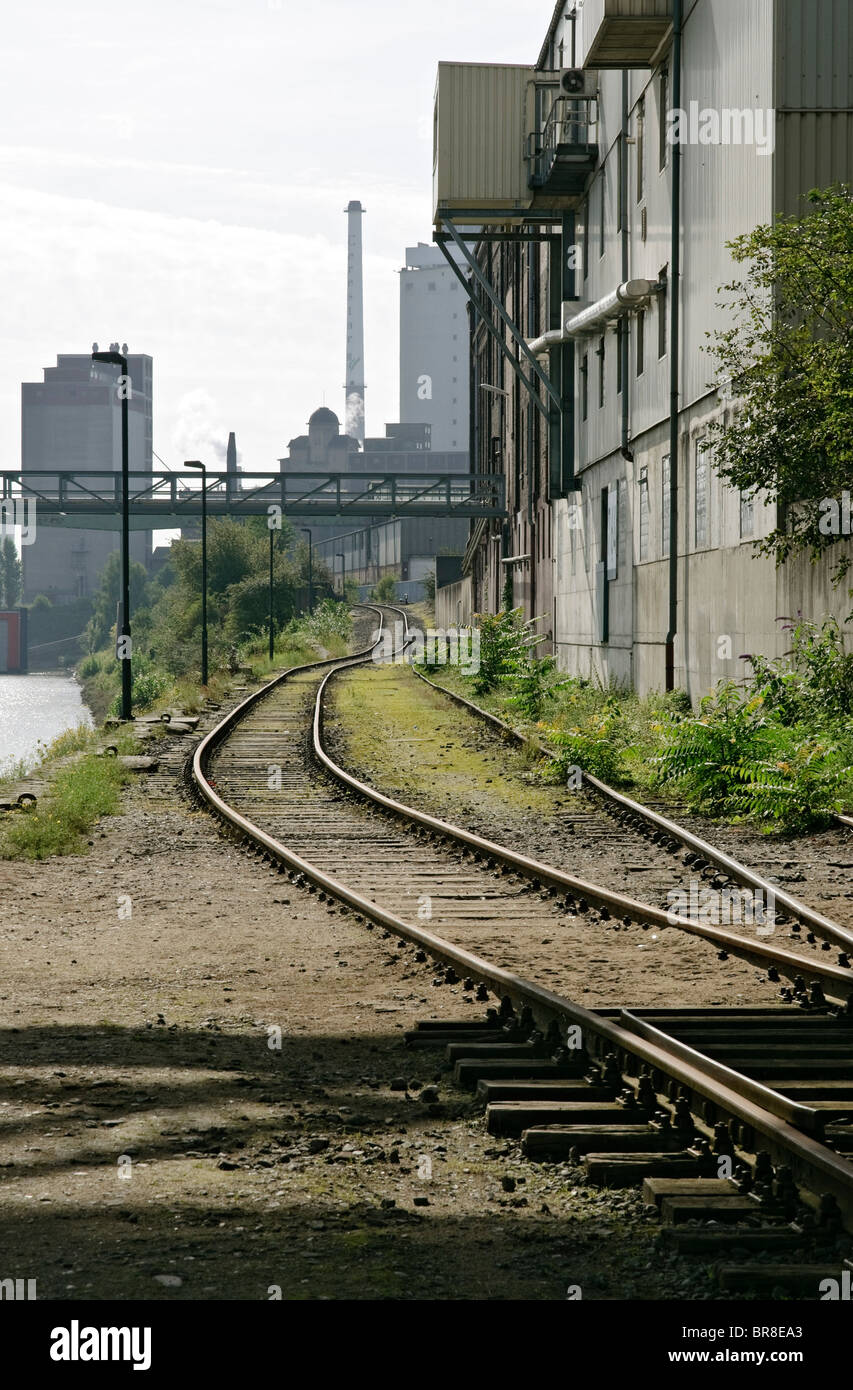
(165, 500)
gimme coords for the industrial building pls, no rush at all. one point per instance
(72, 422)
(431, 435)
(434, 353)
(404, 548)
(591, 388)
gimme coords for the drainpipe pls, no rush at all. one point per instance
(674, 382)
(623, 192)
(532, 463)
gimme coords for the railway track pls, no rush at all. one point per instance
(751, 1107)
(611, 818)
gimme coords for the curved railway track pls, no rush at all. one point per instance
(691, 1083)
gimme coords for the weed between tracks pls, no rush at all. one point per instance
(774, 749)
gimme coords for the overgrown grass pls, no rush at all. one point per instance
(80, 794)
(325, 632)
(775, 750)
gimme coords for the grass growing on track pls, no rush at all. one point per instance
(411, 740)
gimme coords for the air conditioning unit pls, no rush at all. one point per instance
(577, 82)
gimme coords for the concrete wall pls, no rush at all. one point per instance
(454, 604)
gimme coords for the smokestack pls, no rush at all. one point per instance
(354, 414)
(231, 454)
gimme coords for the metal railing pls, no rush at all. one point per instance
(570, 121)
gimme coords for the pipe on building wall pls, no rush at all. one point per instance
(674, 340)
(631, 294)
(566, 358)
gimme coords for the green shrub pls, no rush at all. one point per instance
(592, 742)
(385, 589)
(147, 686)
(89, 666)
(736, 758)
(815, 679)
(506, 645)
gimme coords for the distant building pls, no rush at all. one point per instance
(434, 348)
(404, 448)
(72, 422)
(405, 547)
(323, 447)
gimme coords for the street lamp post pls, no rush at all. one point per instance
(307, 530)
(195, 463)
(123, 642)
(272, 643)
(339, 555)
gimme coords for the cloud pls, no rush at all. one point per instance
(255, 317)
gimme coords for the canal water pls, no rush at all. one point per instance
(36, 709)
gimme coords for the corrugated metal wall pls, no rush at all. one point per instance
(814, 97)
(483, 114)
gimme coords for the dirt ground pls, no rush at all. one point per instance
(154, 1144)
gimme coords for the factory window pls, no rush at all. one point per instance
(641, 148)
(662, 312)
(663, 107)
(641, 341)
(455, 378)
(644, 513)
(700, 497)
(584, 387)
(746, 514)
(600, 355)
(664, 505)
(456, 316)
(431, 285)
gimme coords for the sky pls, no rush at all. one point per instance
(174, 174)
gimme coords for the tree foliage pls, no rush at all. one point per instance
(109, 591)
(11, 577)
(788, 361)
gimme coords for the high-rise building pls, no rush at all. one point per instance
(72, 422)
(433, 348)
